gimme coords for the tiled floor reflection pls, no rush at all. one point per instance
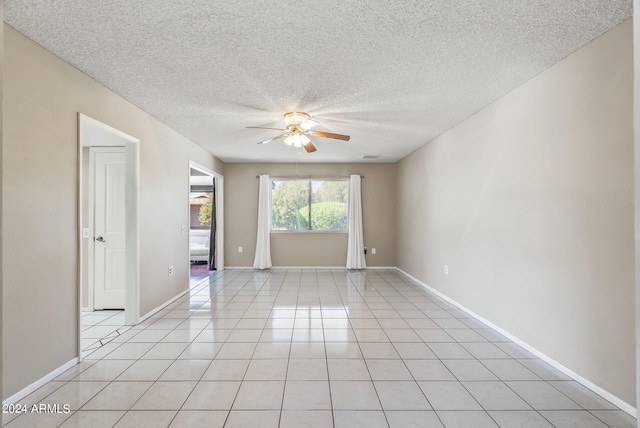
(318, 348)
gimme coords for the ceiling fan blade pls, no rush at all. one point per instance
(330, 135)
(309, 147)
(279, 137)
(262, 127)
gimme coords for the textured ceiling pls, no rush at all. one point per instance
(393, 75)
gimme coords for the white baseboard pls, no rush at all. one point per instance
(162, 306)
(40, 382)
(593, 387)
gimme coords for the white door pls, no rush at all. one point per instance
(109, 227)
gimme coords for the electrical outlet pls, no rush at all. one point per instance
(239, 249)
(170, 270)
(373, 251)
(446, 269)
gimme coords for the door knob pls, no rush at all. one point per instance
(100, 239)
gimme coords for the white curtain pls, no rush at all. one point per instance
(262, 259)
(355, 243)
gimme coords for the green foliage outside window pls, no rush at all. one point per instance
(329, 205)
(204, 216)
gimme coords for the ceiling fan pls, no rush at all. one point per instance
(297, 126)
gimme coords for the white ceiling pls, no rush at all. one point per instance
(393, 75)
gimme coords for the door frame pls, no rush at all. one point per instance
(219, 186)
(93, 133)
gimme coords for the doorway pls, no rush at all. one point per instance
(205, 223)
(108, 233)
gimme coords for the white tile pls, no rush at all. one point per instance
(543, 370)
(401, 396)
(165, 351)
(212, 396)
(200, 351)
(542, 396)
(251, 419)
(388, 370)
(272, 350)
(359, 419)
(495, 396)
(509, 370)
(413, 351)
(354, 395)
(484, 350)
(129, 351)
(582, 395)
(213, 335)
(276, 335)
(448, 351)
(449, 395)
(468, 370)
(118, 396)
(615, 418)
(415, 419)
(348, 369)
(234, 351)
(370, 335)
(37, 420)
(105, 370)
(185, 370)
(75, 394)
(307, 369)
(306, 418)
(307, 350)
(156, 419)
(181, 336)
(520, 418)
(165, 396)
(429, 370)
(343, 350)
(259, 395)
(378, 350)
(247, 335)
(275, 369)
(149, 336)
(573, 418)
(306, 395)
(466, 419)
(142, 370)
(199, 419)
(93, 419)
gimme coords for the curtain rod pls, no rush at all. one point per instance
(318, 177)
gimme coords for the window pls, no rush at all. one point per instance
(310, 204)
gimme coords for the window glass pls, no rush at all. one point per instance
(310, 205)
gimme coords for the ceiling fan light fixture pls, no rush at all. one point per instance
(308, 124)
(295, 118)
(296, 139)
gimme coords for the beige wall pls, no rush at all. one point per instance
(309, 248)
(42, 97)
(530, 204)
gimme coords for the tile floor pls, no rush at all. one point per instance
(100, 328)
(316, 348)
